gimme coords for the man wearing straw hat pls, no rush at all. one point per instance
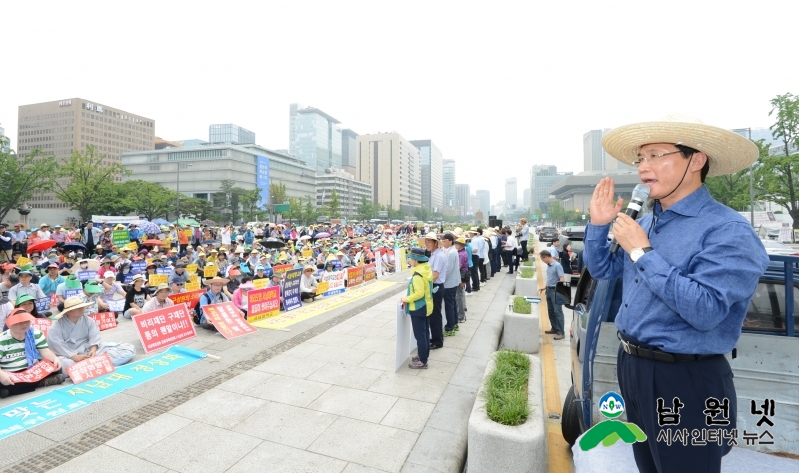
(689, 269)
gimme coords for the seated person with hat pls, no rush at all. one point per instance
(28, 304)
(179, 274)
(110, 290)
(136, 297)
(71, 282)
(75, 337)
(308, 283)
(21, 346)
(159, 300)
(91, 294)
(25, 286)
(214, 295)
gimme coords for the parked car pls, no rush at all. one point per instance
(775, 248)
(764, 360)
(574, 233)
(548, 234)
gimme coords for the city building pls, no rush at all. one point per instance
(392, 165)
(574, 192)
(432, 175)
(525, 198)
(61, 127)
(230, 133)
(350, 192)
(542, 177)
(499, 209)
(161, 143)
(314, 137)
(594, 156)
(484, 205)
(6, 148)
(474, 204)
(462, 199)
(198, 171)
(192, 143)
(349, 150)
(511, 194)
(448, 187)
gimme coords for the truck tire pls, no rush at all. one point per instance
(570, 419)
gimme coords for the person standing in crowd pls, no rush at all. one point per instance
(6, 242)
(524, 238)
(555, 274)
(19, 239)
(21, 346)
(438, 267)
(418, 303)
(690, 269)
(58, 236)
(451, 283)
(91, 235)
(510, 250)
(463, 267)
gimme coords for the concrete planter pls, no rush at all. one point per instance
(527, 287)
(522, 331)
(495, 447)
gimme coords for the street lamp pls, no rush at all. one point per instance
(751, 180)
(178, 187)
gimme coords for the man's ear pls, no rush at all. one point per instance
(698, 161)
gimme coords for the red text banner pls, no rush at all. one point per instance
(164, 327)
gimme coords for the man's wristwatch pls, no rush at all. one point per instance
(639, 252)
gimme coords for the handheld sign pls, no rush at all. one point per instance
(354, 276)
(260, 283)
(35, 373)
(120, 237)
(104, 320)
(166, 271)
(190, 298)
(42, 304)
(90, 368)
(191, 268)
(263, 303)
(22, 261)
(369, 272)
(291, 290)
(192, 286)
(282, 268)
(210, 272)
(141, 266)
(164, 327)
(72, 292)
(156, 279)
(42, 324)
(87, 275)
(227, 319)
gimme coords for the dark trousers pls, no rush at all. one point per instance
(474, 271)
(451, 308)
(495, 261)
(436, 324)
(421, 325)
(482, 267)
(524, 250)
(509, 260)
(23, 388)
(555, 310)
(643, 381)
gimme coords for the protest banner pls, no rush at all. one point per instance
(260, 283)
(379, 265)
(334, 286)
(402, 260)
(190, 298)
(227, 319)
(354, 276)
(333, 276)
(104, 320)
(114, 219)
(406, 342)
(22, 261)
(128, 279)
(166, 271)
(35, 373)
(72, 292)
(291, 290)
(116, 305)
(369, 272)
(192, 268)
(87, 275)
(53, 300)
(192, 286)
(282, 268)
(156, 279)
(210, 272)
(43, 304)
(263, 303)
(42, 324)
(322, 287)
(120, 237)
(141, 266)
(194, 278)
(307, 253)
(90, 368)
(164, 327)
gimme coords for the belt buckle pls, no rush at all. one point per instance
(626, 346)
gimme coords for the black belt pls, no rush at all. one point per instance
(652, 353)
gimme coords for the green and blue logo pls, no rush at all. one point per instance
(610, 431)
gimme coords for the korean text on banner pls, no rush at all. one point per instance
(166, 271)
(260, 283)
(190, 298)
(87, 275)
(120, 237)
(192, 286)
(43, 304)
(192, 268)
(35, 373)
(282, 268)
(307, 253)
(227, 319)
(104, 320)
(42, 324)
(210, 272)
(156, 279)
(164, 327)
(90, 368)
(22, 261)
(354, 276)
(72, 292)
(369, 272)
(291, 290)
(263, 303)
(138, 266)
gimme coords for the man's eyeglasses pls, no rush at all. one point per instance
(652, 158)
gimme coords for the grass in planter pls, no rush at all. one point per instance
(527, 263)
(506, 388)
(521, 306)
(527, 273)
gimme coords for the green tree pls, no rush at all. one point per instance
(200, 209)
(277, 193)
(787, 125)
(250, 203)
(421, 213)
(227, 201)
(333, 208)
(557, 214)
(86, 180)
(20, 177)
(309, 212)
(295, 210)
(366, 210)
(149, 199)
(732, 190)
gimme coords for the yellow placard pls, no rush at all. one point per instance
(192, 286)
(194, 278)
(260, 283)
(156, 279)
(322, 287)
(307, 253)
(22, 261)
(191, 268)
(210, 271)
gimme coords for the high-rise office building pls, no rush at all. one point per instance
(542, 177)
(60, 127)
(448, 187)
(511, 193)
(594, 156)
(230, 133)
(348, 150)
(525, 198)
(484, 204)
(462, 198)
(432, 175)
(350, 192)
(314, 137)
(392, 165)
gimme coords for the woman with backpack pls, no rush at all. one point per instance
(418, 303)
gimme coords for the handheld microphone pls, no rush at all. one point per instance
(640, 193)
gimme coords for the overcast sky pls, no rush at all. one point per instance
(498, 86)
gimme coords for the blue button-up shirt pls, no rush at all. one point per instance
(691, 293)
(554, 273)
(438, 263)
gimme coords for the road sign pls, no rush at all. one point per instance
(583, 216)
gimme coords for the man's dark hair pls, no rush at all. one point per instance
(687, 152)
(448, 236)
(544, 254)
(480, 231)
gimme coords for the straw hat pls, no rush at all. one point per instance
(73, 303)
(727, 151)
(208, 282)
(461, 241)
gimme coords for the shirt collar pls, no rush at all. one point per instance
(690, 205)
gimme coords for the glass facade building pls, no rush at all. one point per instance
(448, 173)
(230, 133)
(432, 175)
(349, 151)
(314, 137)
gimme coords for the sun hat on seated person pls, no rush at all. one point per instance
(73, 303)
(208, 282)
(727, 151)
(18, 316)
(93, 287)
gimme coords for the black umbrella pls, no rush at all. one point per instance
(273, 243)
(74, 246)
(210, 242)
